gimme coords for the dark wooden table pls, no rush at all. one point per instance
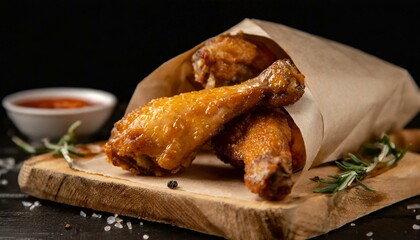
(49, 220)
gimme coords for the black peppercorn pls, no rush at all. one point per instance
(172, 184)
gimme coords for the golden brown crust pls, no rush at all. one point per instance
(261, 143)
(230, 59)
(297, 146)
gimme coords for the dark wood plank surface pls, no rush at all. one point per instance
(48, 221)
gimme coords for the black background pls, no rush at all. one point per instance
(113, 45)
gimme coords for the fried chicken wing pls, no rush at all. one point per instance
(165, 134)
(263, 143)
(230, 59)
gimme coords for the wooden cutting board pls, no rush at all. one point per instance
(212, 199)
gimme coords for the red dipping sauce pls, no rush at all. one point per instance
(55, 103)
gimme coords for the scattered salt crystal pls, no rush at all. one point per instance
(413, 206)
(115, 215)
(416, 227)
(141, 223)
(129, 225)
(4, 182)
(96, 215)
(26, 203)
(352, 224)
(107, 228)
(369, 234)
(7, 163)
(145, 236)
(118, 225)
(110, 220)
(117, 219)
(31, 206)
(418, 217)
(82, 214)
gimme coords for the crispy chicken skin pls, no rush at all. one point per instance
(165, 134)
(230, 59)
(263, 143)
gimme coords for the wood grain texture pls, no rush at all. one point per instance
(301, 215)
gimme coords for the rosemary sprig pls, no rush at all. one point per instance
(373, 157)
(65, 147)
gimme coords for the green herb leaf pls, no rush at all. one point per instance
(23, 145)
(64, 147)
(356, 168)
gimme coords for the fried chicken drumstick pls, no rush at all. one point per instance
(164, 135)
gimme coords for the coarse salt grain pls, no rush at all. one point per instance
(95, 215)
(118, 225)
(117, 219)
(129, 225)
(369, 234)
(416, 227)
(4, 182)
(352, 224)
(107, 228)
(82, 214)
(7, 163)
(26, 203)
(145, 236)
(418, 217)
(31, 206)
(110, 220)
(141, 223)
(413, 206)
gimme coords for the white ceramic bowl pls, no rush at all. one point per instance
(38, 123)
